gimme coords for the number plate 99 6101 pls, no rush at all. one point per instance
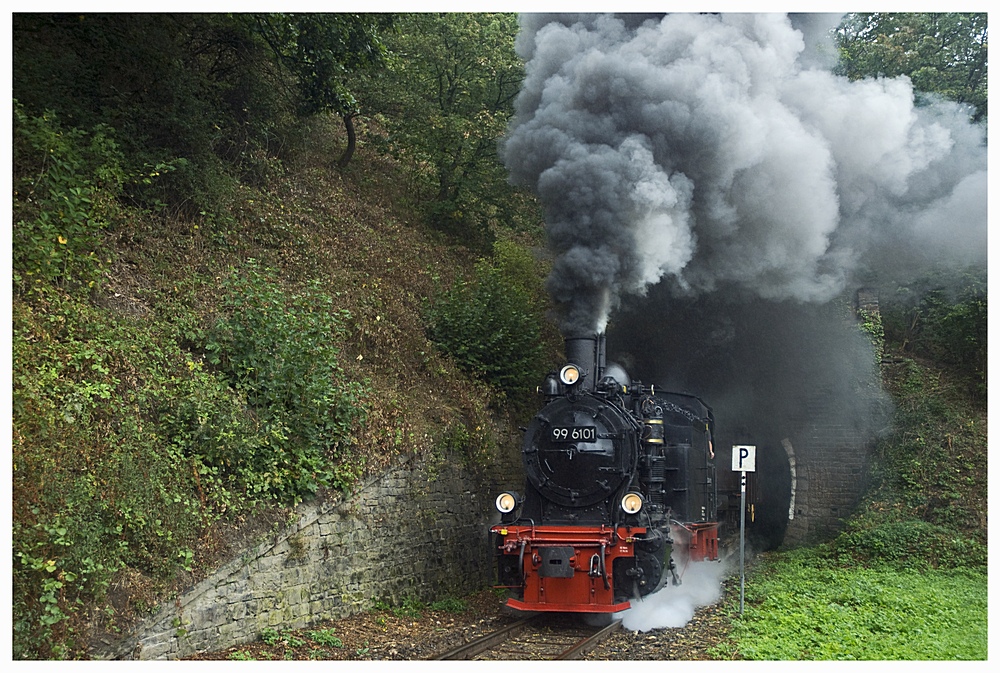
(574, 433)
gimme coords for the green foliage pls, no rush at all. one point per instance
(217, 96)
(943, 53)
(871, 325)
(278, 351)
(802, 606)
(241, 655)
(943, 317)
(126, 446)
(910, 544)
(447, 96)
(326, 638)
(414, 608)
(195, 91)
(63, 197)
(926, 506)
(96, 484)
(322, 50)
(449, 605)
(274, 637)
(491, 325)
(410, 608)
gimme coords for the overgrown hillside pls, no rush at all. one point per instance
(928, 504)
(146, 439)
(255, 256)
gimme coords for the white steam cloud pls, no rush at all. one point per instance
(719, 150)
(674, 606)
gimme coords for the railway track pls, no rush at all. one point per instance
(538, 638)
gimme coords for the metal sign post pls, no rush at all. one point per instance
(744, 460)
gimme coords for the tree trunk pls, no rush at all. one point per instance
(351, 141)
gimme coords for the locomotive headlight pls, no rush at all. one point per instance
(632, 503)
(506, 502)
(569, 374)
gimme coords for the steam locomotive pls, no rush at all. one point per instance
(620, 481)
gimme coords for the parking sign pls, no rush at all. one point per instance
(744, 458)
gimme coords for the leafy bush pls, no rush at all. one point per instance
(450, 605)
(278, 351)
(126, 446)
(64, 189)
(326, 638)
(96, 484)
(492, 325)
(910, 544)
(943, 317)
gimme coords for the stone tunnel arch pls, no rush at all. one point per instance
(814, 463)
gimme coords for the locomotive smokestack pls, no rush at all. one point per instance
(589, 354)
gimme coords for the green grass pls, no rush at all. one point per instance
(800, 606)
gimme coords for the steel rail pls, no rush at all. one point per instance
(590, 642)
(507, 633)
(483, 643)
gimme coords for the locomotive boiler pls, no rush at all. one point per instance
(620, 488)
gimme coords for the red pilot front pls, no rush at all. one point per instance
(566, 568)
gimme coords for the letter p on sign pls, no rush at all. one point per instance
(744, 458)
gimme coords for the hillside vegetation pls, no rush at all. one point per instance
(206, 369)
(225, 279)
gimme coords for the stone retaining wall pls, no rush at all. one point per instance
(418, 531)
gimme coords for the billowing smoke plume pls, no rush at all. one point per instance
(719, 151)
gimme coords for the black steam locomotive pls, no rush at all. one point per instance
(620, 480)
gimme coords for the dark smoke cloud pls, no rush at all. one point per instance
(718, 151)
